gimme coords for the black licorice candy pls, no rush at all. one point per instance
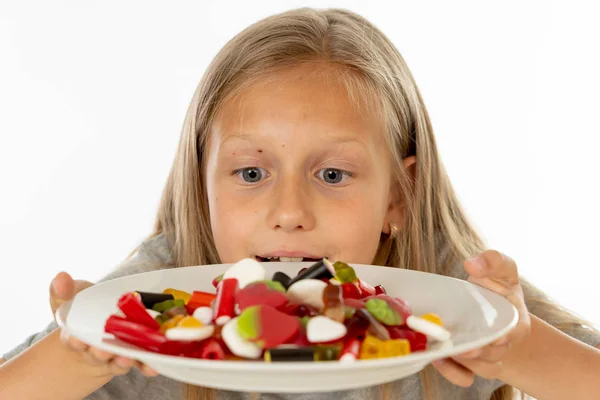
(298, 354)
(282, 278)
(322, 269)
(149, 299)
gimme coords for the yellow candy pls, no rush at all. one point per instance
(373, 347)
(431, 317)
(189, 322)
(396, 347)
(178, 294)
(172, 323)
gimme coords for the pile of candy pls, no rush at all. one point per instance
(325, 313)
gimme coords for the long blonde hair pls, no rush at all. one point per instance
(435, 234)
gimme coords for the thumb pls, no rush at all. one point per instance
(63, 288)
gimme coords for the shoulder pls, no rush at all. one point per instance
(153, 254)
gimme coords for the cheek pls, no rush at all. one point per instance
(356, 226)
(232, 225)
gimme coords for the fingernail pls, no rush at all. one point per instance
(54, 285)
(477, 262)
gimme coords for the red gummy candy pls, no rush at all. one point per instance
(357, 327)
(299, 310)
(300, 339)
(354, 303)
(380, 290)
(260, 293)
(351, 291)
(276, 327)
(417, 340)
(366, 289)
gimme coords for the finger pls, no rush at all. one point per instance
(100, 355)
(77, 344)
(490, 354)
(71, 342)
(147, 371)
(494, 265)
(62, 288)
(120, 365)
(487, 370)
(90, 359)
(454, 372)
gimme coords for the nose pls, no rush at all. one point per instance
(291, 208)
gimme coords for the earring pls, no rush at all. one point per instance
(393, 230)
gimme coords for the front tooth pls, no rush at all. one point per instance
(290, 259)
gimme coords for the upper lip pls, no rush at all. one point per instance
(291, 254)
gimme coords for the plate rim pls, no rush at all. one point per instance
(426, 356)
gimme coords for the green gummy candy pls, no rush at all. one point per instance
(274, 285)
(383, 312)
(349, 312)
(248, 325)
(167, 305)
(304, 321)
(344, 273)
(162, 318)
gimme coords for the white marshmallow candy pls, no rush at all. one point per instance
(152, 313)
(246, 271)
(236, 343)
(322, 329)
(204, 315)
(348, 358)
(307, 291)
(428, 328)
(190, 334)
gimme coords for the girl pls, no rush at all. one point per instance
(307, 137)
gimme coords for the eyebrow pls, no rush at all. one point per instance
(336, 139)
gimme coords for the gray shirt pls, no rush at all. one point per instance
(155, 253)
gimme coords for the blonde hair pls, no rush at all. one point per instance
(435, 234)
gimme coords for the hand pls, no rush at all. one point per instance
(63, 288)
(497, 272)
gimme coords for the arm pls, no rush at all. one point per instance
(49, 367)
(549, 355)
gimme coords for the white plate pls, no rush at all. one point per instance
(475, 317)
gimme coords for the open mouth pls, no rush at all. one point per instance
(287, 259)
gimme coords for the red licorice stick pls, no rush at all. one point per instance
(225, 301)
(135, 311)
(215, 282)
(366, 289)
(134, 333)
(351, 349)
(199, 299)
(212, 350)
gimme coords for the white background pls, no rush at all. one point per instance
(93, 95)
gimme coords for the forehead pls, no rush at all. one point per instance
(310, 99)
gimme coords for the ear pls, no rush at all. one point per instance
(396, 204)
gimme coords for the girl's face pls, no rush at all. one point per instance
(294, 170)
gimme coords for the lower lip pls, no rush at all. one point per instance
(261, 259)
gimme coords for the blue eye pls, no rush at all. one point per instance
(333, 176)
(251, 174)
